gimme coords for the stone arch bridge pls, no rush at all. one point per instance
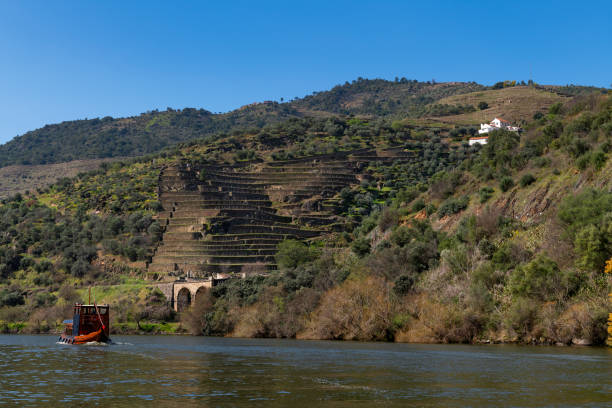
(182, 293)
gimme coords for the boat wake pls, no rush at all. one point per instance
(95, 343)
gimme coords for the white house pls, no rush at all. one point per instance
(496, 124)
(479, 140)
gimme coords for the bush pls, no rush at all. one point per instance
(485, 193)
(593, 245)
(403, 284)
(522, 316)
(361, 247)
(453, 206)
(527, 179)
(11, 298)
(79, 268)
(587, 208)
(418, 205)
(506, 184)
(542, 162)
(555, 109)
(483, 105)
(292, 253)
(540, 278)
(389, 217)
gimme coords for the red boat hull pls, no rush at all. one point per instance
(97, 336)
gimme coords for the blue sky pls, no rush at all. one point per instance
(71, 60)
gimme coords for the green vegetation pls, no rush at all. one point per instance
(433, 243)
(155, 130)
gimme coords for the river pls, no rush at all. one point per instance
(186, 371)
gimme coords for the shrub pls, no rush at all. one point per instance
(542, 162)
(79, 268)
(540, 278)
(356, 310)
(555, 109)
(453, 206)
(506, 184)
(522, 316)
(404, 284)
(11, 298)
(292, 253)
(587, 208)
(361, 247)
(594, 245)
(527, 179)
(485, 193)
(389, 217)
(483, 105)
(418, 205)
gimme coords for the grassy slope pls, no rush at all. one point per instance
(516, 104)
(21, 178)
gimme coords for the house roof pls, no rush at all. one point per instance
(479, 137)
(502, 120)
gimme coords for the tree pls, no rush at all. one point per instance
(292, 253)
(483, 105)
(361, 247)
(540, 278)
(592, 247)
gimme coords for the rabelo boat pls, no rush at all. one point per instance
(89, 324)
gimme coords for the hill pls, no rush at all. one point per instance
(21, 178)
(340, 227)
(517, 104)
(152, 131)
(379, 97)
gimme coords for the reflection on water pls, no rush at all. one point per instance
(197, 371)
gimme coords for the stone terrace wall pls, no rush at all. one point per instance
(237, 215)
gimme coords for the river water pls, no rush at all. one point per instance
(202, 371)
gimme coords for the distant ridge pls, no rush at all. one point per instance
(154, 130)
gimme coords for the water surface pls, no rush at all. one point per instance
(200, 371)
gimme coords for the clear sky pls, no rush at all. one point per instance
(63, 60)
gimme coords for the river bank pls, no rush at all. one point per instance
(177, 329)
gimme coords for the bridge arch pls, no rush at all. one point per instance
(183, 299)
(184, 293)
(200, 292)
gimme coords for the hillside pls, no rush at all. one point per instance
(21, 178)
(134, 136)
(341, 228)
(152, 131)
(517, 104)
(378, 97)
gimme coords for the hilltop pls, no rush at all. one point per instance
(517, 104)
(152, 131)
(451, 104)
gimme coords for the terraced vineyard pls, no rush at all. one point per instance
(230, 219)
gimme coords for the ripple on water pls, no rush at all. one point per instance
(34, 371)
